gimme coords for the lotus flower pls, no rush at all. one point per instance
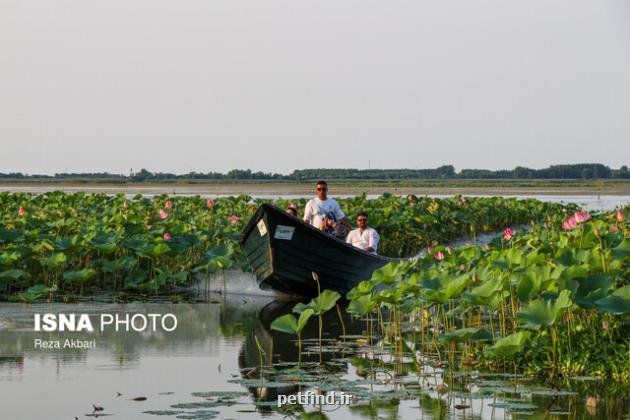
(233, 219)
(163, 214)
(149, 227)
(570, 224)
(508, 234)
(125, 204)
(168, 204)
(167, 236)
(292, 206)
(210, 203)
(581, 217)
(21, 212)
(619, 215)
(449, 250)
(439, 256)
(614, 229)
(429, 250)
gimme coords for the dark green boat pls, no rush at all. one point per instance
(283, 251)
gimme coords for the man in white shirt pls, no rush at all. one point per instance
(364, 237)
(323, 212)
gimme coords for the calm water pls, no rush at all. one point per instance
(587, 201)
(213, 350)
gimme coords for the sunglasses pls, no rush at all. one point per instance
(322, 189)
(361, 220)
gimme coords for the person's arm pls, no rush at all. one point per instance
(308, 213)
(373, 239)
(340, 215)
(344, 221)
(349, 238)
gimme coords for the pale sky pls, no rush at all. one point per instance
(211, 85)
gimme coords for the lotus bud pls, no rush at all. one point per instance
(21, 212)
(315, 276)
(619, 215)
(614, 229)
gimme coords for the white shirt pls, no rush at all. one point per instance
(368, 238)
(316, 209)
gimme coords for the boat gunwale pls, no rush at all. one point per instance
(265, 207)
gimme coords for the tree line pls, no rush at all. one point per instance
(568, 172)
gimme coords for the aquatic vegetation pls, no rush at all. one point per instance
(554, 300)
(81, 243)
(290, 325)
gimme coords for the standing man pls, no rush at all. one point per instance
(324, 213)
(363, 237)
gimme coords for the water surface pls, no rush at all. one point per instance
(214, 350)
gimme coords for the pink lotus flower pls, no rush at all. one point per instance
(439, 256)
(149, 227)
(581, 217)
(508, 234)
(21, 212)
(163, 214)
(614, 229)
(570, 224)
(167, 236)
(619, 215)
(233, 219)
(429, 250)
(209, 202)
(168, 204)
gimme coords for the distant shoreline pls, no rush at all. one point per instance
(336, 188)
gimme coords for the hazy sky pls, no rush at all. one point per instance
(276, 85)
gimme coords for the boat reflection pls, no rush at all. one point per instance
(280, 350)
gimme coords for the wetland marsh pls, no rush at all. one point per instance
(528, 317)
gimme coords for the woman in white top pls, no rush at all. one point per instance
(364, 237)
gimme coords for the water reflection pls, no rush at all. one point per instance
(281, 349)
(213, 352)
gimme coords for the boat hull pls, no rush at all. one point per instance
(283, 252)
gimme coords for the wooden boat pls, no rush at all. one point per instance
(283, 252)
